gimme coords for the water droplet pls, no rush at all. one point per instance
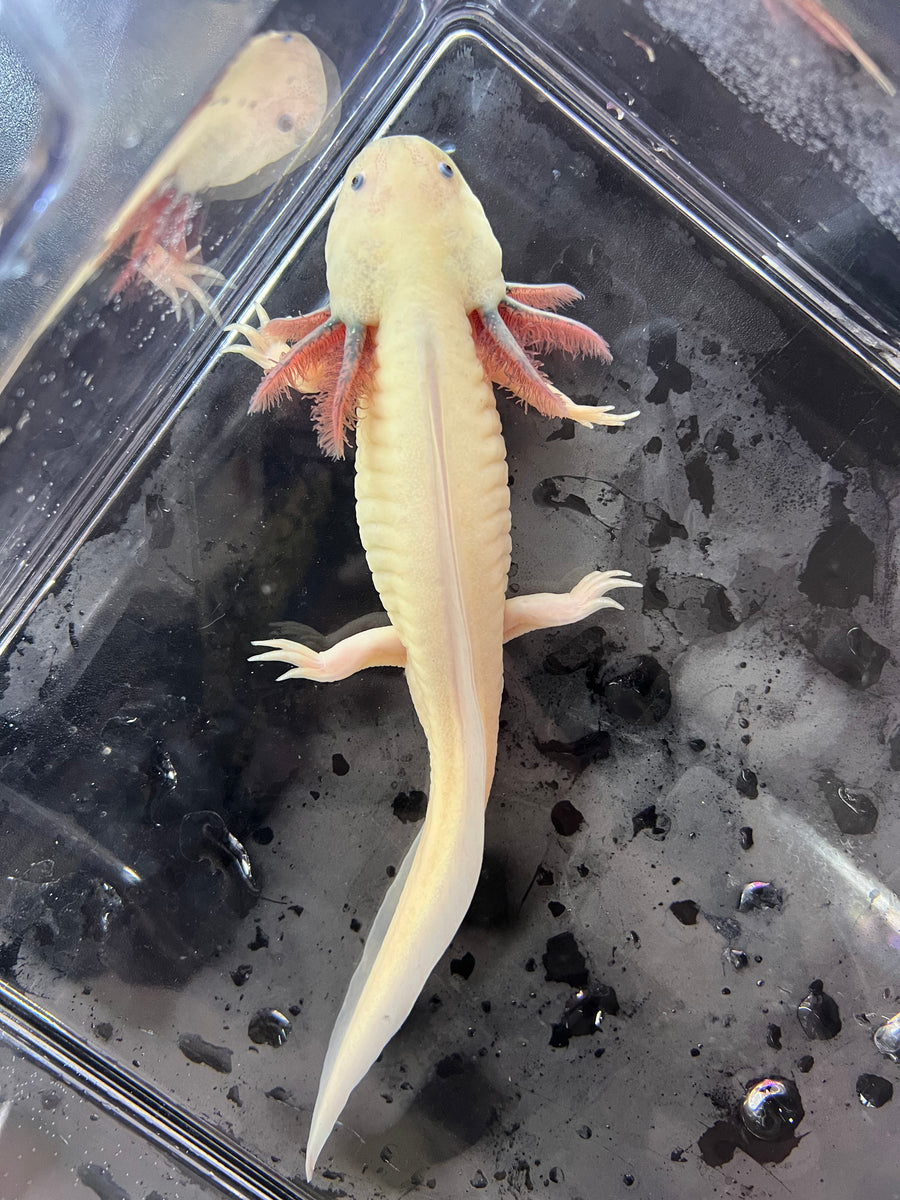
(747, 783)
(204, 835)
(874, 1091)
(887, 1038)
(759, 895)
(583, 1013)
(269, 1027)
(854, 812)
(737, 958)
(132, 136)
(771, 1109)
(818, 1014)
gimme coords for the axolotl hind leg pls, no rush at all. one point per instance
(379, 647)
(382, 647)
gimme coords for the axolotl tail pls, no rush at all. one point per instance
(417, 920)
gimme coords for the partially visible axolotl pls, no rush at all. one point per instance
(275, 105)
(420, 322)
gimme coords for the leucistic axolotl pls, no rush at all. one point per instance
(275, 106)
(420, 323)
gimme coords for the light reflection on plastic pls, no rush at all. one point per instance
(44, 200)
(868, 891)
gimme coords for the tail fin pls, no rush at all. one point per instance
(416, 922)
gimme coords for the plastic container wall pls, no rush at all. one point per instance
(689, 884)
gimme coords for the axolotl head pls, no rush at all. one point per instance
(405, 219)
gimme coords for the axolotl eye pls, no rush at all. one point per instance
(445, 169)
(357, 181)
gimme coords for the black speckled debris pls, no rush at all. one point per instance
(720, 616)
(580, 752)
(490, 904)
(410, 806)
(662, 351)
(549, 494)
(637, 691)
(805, 1063)
(701, 486)
(260, 941)
(197, 1050)
(746, 835)
(728, 927)
(840, 567)
(654, 598)
(566, 818)
(657, 824)
(459, 1100)
(844, 648)
(101, 1182)
(686, 911)
(662, 526)
(464, 966)
(576, 653)
(339, 764)
(773, 1036)
(874, 1091)
(241, 974)
(564, 962)
(818, 1014)
(9, 956)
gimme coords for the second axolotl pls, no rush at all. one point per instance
(420, 323)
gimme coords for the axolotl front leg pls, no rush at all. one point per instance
(381, 647)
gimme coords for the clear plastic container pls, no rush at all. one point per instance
(192, 849)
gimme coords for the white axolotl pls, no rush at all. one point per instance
(420, 323)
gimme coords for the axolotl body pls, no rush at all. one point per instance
(420, 323)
